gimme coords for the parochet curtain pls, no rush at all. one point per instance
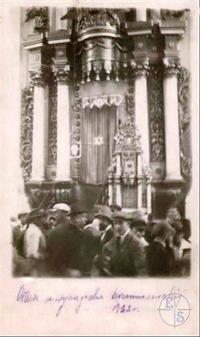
(99, 129)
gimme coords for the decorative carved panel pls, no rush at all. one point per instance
(184, 121)
(76, 133)
(26, 132)
(156, 121)
(130, 99)
(91, 18)
(52, 130)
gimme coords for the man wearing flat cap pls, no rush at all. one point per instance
(57, 212)
(64, 242)
(123, 255)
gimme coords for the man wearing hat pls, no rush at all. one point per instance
(63, 242)
(159, 254)
(79, 215)
(123, 255)
(95, 235)
(57, 212)
(34, 238)
(138, 227)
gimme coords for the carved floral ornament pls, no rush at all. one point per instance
(184, 121)
(100, 101)
(172, 67)
(94, 18)
(62, 74)
(26, 132)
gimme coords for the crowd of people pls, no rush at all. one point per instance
(67, 240)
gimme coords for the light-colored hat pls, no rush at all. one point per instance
(62, 207)
(122, 215)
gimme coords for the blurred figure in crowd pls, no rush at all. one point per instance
(79, 215)
(35, 241)
(64, 243)
(95, 235)
(159, 253)
(138, 226)
(115, 207)
(182, 249)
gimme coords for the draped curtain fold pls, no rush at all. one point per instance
(99, 129)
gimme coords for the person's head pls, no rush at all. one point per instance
(138, 223)
(115, 207)
(58, 214)
(36, 217)
(78, 215)
(121, 222)
(104, 216)
(163, 230)
(138, 228)
(172, 215)
(22, 217)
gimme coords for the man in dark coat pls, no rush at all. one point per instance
(64, 242)
(95, 235)
(123, 255)
(159, 253)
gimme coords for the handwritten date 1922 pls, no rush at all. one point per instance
(119, 308)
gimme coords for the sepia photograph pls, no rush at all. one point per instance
(101, 173)
(105, 149)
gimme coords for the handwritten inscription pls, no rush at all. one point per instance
(119, 308)
(120, 302)
(61, 301)
(25, 296)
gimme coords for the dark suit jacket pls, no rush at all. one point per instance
(123, 259)
(64, 247)
(158, 259)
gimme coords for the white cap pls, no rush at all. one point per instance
(62, 207)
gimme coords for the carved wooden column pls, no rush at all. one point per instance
(40, 125)
(63, 126)
(141, 110)
(172, 138)
(61, 70)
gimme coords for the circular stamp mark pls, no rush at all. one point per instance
(174, 309)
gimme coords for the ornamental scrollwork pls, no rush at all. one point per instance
(156, 116)
(39, 78)
(52, 153)
(130, 99)
(183, 98)
(172, 66)
(184, 120)
(101, 17)
(75, 139)
(26, 132)
(63, 76)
